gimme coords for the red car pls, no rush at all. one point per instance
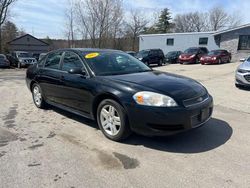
(216, 57)
(192, 55)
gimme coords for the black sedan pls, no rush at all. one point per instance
(120, 92)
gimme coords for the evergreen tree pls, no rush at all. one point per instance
(164, 25)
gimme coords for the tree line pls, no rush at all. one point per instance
(107, 24)
(103, 23)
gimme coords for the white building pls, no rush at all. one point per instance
(177, 41)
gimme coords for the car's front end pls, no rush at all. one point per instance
(25, 62)
(173, 104)
(209, 60)
(242, 76)
(160, 121)
(187, 58)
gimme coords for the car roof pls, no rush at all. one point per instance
(90, 50)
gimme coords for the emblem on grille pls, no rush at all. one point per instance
(200, 99)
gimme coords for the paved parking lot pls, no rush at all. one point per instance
(57, 149)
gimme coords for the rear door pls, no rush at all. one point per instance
(49, 77)
(76, 88)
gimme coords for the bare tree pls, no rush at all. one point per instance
(70, 24)
(219, 19)
(191, 22)
(4, 10)
(136, 25)
(98, 17)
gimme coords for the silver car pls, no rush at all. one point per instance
(242, 76)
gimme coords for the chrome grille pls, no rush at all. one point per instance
(195, 100)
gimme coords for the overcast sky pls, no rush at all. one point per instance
(46, 17)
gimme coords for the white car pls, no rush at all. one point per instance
(242, 76)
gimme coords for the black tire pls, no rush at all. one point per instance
(229, 60)
(124, 130)
(160, 63)
(219, 61)
(42, 104)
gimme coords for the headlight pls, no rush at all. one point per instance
(202, 58)
(148, 98)
(21, 61)
(180, 56)
(192, 56)
(242, 71)
(214, 58)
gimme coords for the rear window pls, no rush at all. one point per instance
(191, 51)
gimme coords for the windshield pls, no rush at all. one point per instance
(171, 53)
(191, 51)
(143, 53)
(114, 63)
(23, 54)
(215, 52)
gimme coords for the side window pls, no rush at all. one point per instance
(53, 60)
(41, 62)
(71, 60)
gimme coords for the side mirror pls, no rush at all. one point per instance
(77, 71)
(242, 60)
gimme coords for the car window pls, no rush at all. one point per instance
(112, 63)
(41, 62)
(71, 60)
(53, 60)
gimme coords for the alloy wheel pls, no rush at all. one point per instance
(110, 120)
(37, 95)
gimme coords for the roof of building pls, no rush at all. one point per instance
(187, 33)
(232, 29)
(25, 36)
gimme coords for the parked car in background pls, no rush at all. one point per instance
(131, 53)
(36, 56)
(192, 55)
(216, 57)
(22, 59)
(120, 92)
(151, 56)
(4, 62)
(13, 61)
(173, 56)
(41, 56)
(242, 76)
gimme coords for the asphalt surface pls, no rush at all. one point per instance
(54, 148)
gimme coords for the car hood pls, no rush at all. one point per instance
(186, 55)
(175, 86)
(245, 65)
(210, 56)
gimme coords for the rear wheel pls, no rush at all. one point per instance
(229, 60)
(37, 96)
(160, 63)
(112, 120)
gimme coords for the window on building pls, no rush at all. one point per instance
(203, 41)
(170, 42)
(244, 42)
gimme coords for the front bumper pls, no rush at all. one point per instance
(186, 60)
(209, 61)
(161, 121)
(242, 79)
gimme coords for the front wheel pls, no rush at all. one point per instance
(37, 96)
(219, 61)
(112, 120)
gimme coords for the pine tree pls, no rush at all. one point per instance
(163, 25)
